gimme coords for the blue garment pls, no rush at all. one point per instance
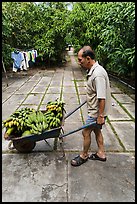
(92, 120)
(18, 58)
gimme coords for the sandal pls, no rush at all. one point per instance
(96, 157)
(77, 161)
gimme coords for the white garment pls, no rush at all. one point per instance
(14, 69)
(23, 65)
(26, 59)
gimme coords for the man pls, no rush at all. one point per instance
(98, 105)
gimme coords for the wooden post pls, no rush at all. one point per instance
(5, 72)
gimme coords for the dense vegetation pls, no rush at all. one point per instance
(108, 26)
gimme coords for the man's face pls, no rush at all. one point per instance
(82, 60)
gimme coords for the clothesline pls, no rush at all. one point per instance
(29, 49)
(21, 49)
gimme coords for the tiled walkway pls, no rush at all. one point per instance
(68, 83)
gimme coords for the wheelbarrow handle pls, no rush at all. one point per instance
(75, 109)
(78, 129)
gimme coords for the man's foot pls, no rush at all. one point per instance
(96, 157)
(77, 161)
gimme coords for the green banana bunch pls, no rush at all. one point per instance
(54, 113)
(56, 107)
(52, 121)
(16, 121)
(36, 122)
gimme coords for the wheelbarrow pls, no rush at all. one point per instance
(26, 144)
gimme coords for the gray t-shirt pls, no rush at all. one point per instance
(98, 86)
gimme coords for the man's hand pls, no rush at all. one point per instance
(100, 120)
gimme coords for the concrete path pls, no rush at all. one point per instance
(43, 175)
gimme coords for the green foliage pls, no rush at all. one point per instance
(117, 44)
(6, 33)
(109, 27)
(49, 38)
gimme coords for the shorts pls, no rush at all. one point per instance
(92, 120)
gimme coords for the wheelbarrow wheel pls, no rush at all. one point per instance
(24, 146)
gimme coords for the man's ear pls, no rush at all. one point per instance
(88, 58)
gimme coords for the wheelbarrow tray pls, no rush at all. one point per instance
(53, 133)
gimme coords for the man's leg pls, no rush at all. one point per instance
(86, 142)
(83, 157)
(100, 143)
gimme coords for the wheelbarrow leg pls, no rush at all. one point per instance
(61, 146)
(49, 145)
(61, 143)
(61, 140)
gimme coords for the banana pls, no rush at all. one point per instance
(45, 125)
(34, 132)
(6, 124)
(40, 127)
(58, 115)
(51, 123)
(34, 127)
(59, 109)
(10, 123)
(15, 122)
(10, 130)
(58, 121)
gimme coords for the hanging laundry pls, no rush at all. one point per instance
(23, 59)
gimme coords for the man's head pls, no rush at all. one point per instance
(86, 57)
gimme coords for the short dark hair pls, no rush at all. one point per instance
(85, 47)
(89, 53)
